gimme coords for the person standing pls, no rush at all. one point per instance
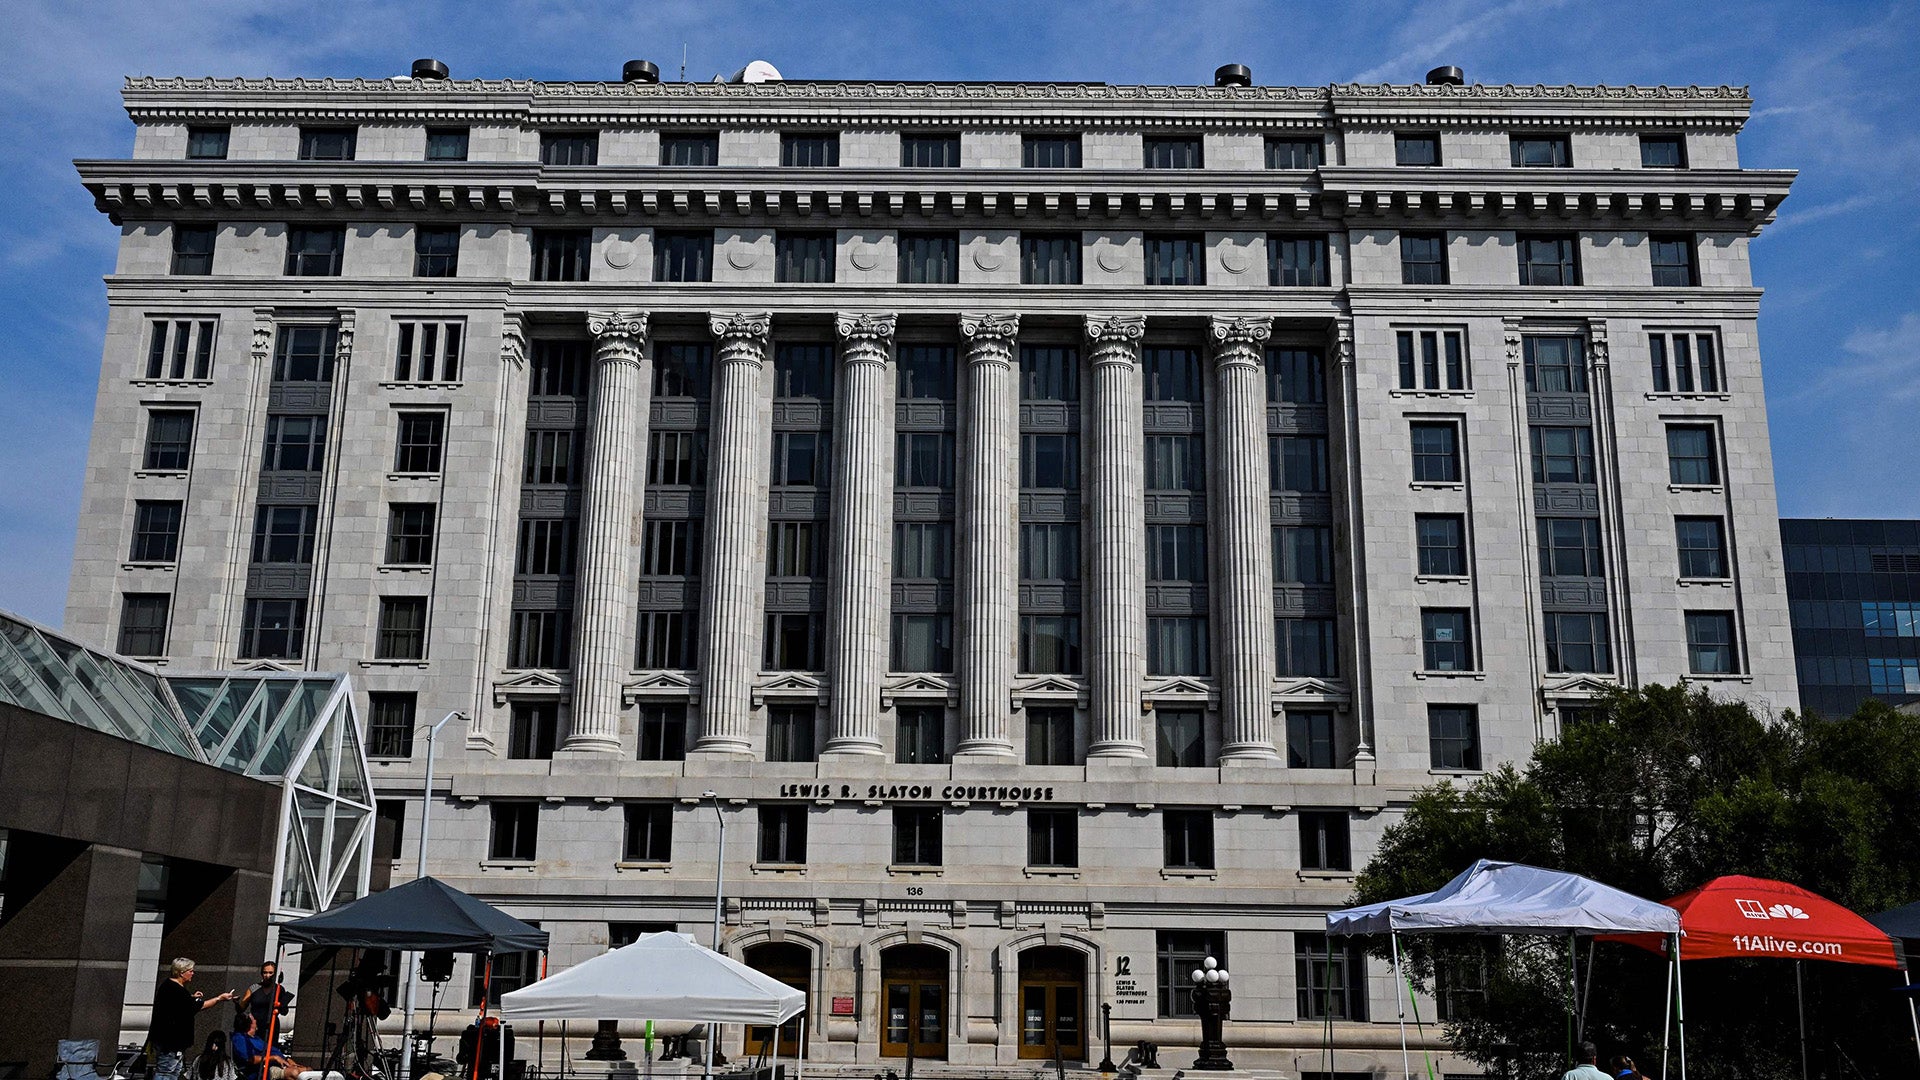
(174, 1007)
(260, 1000)
(1589, 1064)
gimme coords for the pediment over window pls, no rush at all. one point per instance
(1579, 687)
(1180, 690)
(1051, 690)
(789, 686)
(661, 685)
(267, 665)
(920, 688)
(1311, 691)
(529, 684)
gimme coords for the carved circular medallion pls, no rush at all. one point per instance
(1234, 258)
(987, 257)
(619, 254)
(864, 256)
(1110, 260)
(742, 258)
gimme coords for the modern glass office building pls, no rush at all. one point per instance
(1853, 588)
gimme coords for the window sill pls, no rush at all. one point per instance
(1478, 675)
(1464, 773)
(915, 871)
(1704, 489)
(1732, 676)
(396, 384)
(1071, 872)
(785, 869)
(387, 662)
(160, 474)
(1412, 393)
(1325, 875)
(1705, 583)
(192, 384)
(1189, 873)
(429, 476)
(406, 568)
(1689, 395)
(1437, 485)
(1444, 579)
(624, 867)
(528, 865)
(149, 565)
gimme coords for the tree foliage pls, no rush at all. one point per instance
(1661, 791)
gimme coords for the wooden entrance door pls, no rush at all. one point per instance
(791, 964)
(913, 1002)
(1053, 996)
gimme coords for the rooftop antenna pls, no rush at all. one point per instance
(683, 61)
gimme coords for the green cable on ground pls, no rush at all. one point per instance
(1425, 1054)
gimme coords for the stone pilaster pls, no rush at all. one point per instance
(1242, 514)
(736, 504)
(609, 529)
(861, 582)
(1116, 639)
(1352, 509)
(989, 599)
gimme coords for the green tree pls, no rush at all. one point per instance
(1662, 790)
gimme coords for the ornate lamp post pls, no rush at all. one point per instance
(1212, 1000)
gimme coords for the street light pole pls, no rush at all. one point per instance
(419, 871)
(719, 877)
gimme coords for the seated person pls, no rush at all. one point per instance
(250, 1050)
(481, 1040)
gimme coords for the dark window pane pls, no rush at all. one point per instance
(930, 151)
(1050, 151)
(315, 252)
(1673, 263)
(1176, 463)
(810, 150)
(1436, 453)
(1050, 736)
(1176, 260)
(1541, 151)
(1690, 455)
(447, 144)
(1453, 734)
(1703, 548)
(1423, 258)
(690, 149)
(1296, 376)
(1180, 739)
(273, 630)
(1663, 152)
(1307, 648)
(1555, 365)
(1323, 840)
(647, 833)
(169, 440)
(1562, 455)
(436, 252)
(920, 737)
(1710, 645)
(663, 733)
(514, 835)
(326, 144)
(193, 250)
(207, 143)
(1177, 645)
(418, 448)
(156, 531)
(1049, 259)
(1416, 149)
(1442, 541)
(1049, 373)
(1189, 839)
(924, 372)
(143, 624)
(929, 258)
(1548, 260)
(410, 534)
(1173, 152)
(1311, 742)
(569, 148)
(402, 633)
(390, 724)
(683, 256)
(803, 258)
(1297, 261)
(561, 254)
(1446, 640)
(790, 733)
(1173, 374)
(1288, 153)
(1578, 642)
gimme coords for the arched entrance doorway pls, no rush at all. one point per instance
(791, 964)
(913, 1002)
(1053, 1000)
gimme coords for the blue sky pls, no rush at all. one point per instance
(1840, 329)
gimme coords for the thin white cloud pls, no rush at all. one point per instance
(1793, 220)
(1430, 47)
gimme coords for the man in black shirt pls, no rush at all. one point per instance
(174, 1007)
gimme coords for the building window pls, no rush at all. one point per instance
(1307, 649)
(1176, 463)
(156, 531)
(1710, 643)
(1177, 553)
(1303, 554)
(1684, 363)
(143, 624)
(916, 836)
(1049, 373)
(923, 549)
(1432, 359)
(1416, 149)
(403, 629)
(793, 549)
(1050, 644)
(1423, 258)
(284, 535)
(389, 828)
(546, 547)
(1323, 840)
(1049, 551)
(273, 630)
(447, 144)
(794, 641)
(1577, 641)
(1453, 736)
(929, 258)
(670, 548)
(1053, 838)
(809, 149)
(1176, 260)
(1703, 547)
(803, 370)
(924, 372)
(1050, 461)
(1893, 676)
(569, 148)
(1548, 260)
(1173, 374)
(663, 732)
(511, 971)
(682, 256)
(1297, 261)
(1177, 645)
(1287, 153)
(1177, 953)
(920, 737)
(923, 459)
(304, 354)
(1296, 376)
(1179, 739)
(169, 440)
(561, 254)
(681, 369)
(790, 733)
(1442, 543)
(541, 639)
(1173, 152)
(1570, 547)
(666, 640)
(690, 149)
(207, 143)
(515, 833)
(924, 151)
(533, 731)
(1555, 365)
(428, 352)
(1331, 982)
(803, 258)
(923, 642)
(1446, 641)
(1663, 151)
(799, 458)
(315, 252)
(783, 835)
(1050, 736)
(390, 724)
(1690, 455)
(1310, 740)
(436, 252)
(1050, 259)
(181, 349)
(1189, 839)
(1050, 151)
(1673, 261)
(558, 369)
(418, 447)
(192, 250)
(1436, 452)
(326, 144)
(1298, 463)
(648, 833)
(1541, 151)
(410, 534)
(1562, 455)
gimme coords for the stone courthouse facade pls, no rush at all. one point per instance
(1055, 527)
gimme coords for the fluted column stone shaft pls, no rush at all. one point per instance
(861, 584)
(609, 530)
(989, 599)
(1116, 641)
(1243, 537)
(736, 502)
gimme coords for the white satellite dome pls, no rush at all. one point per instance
(758, 71)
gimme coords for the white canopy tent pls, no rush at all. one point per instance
(660, 977)
(1513, 898)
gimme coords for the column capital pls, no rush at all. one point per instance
(1238, 340)
(1343, 342)
(987, 325)
(1597, 344)
(618, 336)
(870, 328)
(1122, 330)
(1511, 331)
(740, 324)
(513, 339)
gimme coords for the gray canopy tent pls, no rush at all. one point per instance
(1904, 923)
(1513, 898)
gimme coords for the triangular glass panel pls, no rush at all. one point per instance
(242, 743)
(292, 728)
(296, 886)
(20, 678)
(347, 825)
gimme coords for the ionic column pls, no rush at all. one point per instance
(989, 600)
(1116, 641)
(860, 588)
(735, 567)
(609, 530)
(1242, 513)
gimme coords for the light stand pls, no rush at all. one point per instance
(410, 969)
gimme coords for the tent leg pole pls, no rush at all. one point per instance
(1680, 1003)
(1666, 1014)
(1586, 991)
(1399, 988)
(1800, 1007)
(1913, 1011)
(1573, 987)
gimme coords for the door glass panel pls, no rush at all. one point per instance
(1033, 1016)
(933, 1026)
(1066, 1011)
(897, 995)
